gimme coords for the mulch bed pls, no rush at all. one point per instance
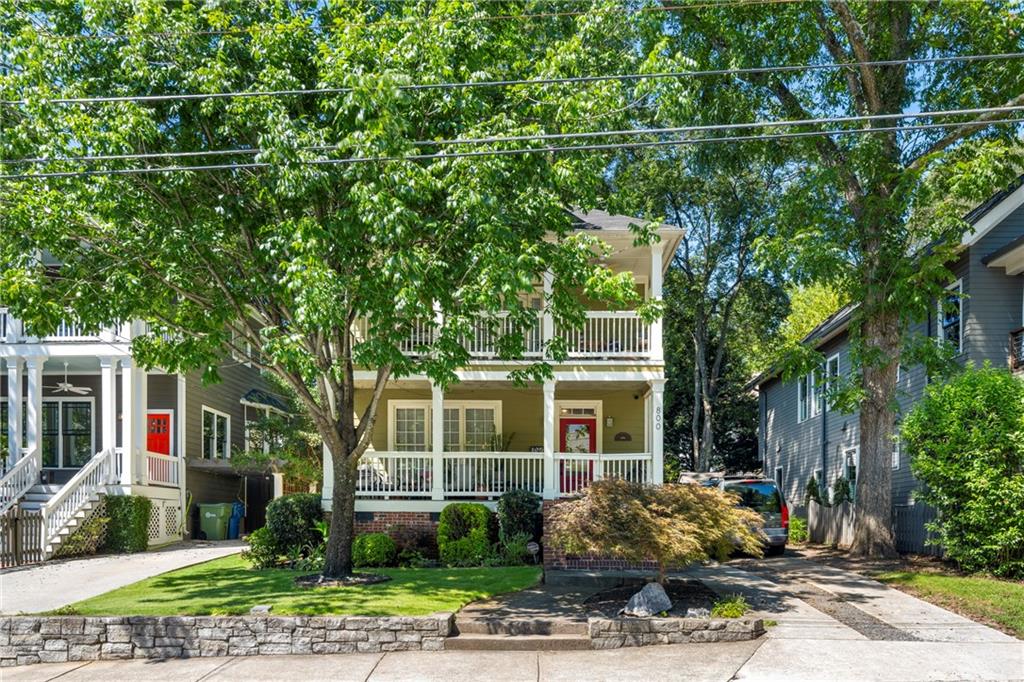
(685, 595)
(317, 580)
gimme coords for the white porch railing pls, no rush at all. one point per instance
(478, 474)
(16, 482)
(608, 334)
(386, 475)
(12, 331)
(91, 480)
(483, 340)
(161, 469)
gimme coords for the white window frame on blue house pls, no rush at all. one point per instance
(940, 323)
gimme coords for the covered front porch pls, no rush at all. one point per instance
(481, 438)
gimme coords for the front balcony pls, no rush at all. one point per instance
(604, 335)
(12, 331)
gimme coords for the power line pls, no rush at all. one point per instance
(754, 70)
(440, 156)
(547, 136)
(424, 21)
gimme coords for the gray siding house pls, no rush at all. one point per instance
(801, 436)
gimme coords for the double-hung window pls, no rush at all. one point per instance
(469, 426)
(216, 434)
(803, 397)
(951, 308)
(896, 447)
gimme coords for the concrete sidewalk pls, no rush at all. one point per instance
(768, 659)
(50, 585)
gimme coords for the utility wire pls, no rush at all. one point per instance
(754, 70)
(440, 156)
(546, 136)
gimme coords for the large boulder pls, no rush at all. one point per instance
(649, 601)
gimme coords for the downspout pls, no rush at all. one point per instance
(822, 486)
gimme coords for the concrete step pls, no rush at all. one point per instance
(475, 642)
(37, 497)
(519, 626)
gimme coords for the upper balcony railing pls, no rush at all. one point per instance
(1017, 350)
(603, 335)
(13, 331)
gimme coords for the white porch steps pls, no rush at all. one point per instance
(39, 494)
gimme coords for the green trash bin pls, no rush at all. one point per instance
(213, 520)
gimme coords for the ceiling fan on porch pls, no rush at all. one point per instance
(67, 387)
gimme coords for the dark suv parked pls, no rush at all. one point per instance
(764, 497)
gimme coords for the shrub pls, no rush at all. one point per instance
(512, 550)
(675, 524)
(733, 606)
(410, 558)
(517, 514)
(841, 491)
(797, 529)
(373, 549)
(128, 528)
(966, 443)
(291, 522)
(262, 552)
(812, 493)
(464, 534)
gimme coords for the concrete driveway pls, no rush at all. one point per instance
(50, 585)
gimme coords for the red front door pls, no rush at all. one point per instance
(578, 435)
(158, 432)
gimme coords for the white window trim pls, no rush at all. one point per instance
(427, 406)
(227, 440)
(940, 333)
(60, 423)
(803, 394)
(897, 452)
(596, 405)
(828, 378)
(174, 433)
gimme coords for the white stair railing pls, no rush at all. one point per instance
(93, 478)
(16, 482)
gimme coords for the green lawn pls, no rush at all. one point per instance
(228, 586)
(998, 602)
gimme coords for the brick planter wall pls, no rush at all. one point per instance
(614, 633)
(46, 639)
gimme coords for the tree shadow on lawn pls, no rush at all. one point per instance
(235, 588)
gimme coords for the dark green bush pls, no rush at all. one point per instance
(464, 534)
(291, 522)
(410, 539)
(966, 444)
(842, 491)
(373, 549)
(128, 528)
(517, 514)
(513, 551)
(262, 552)
(813, 492)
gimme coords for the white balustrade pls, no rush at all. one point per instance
(489, 474)
(577, 470)
(608, 334)
(18, 479)
(486, 334)
(399, 474)
(161, 469)
(91, 480)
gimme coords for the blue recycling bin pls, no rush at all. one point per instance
(235, 522)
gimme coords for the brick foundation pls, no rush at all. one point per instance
(380, 522)
(557, 560)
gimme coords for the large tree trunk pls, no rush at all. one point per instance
(707, 440)
(873, 536)
(695, 418)
(338, 559)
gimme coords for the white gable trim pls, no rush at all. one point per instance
(995, 215)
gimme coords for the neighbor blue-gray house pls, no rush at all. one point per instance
(801, 435)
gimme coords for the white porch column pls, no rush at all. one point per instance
(127, 420)
(108, 403)
(34, 404)
(550, 465)
(278, 485)
(141, 380)
(657, 250)
(437, 441)
(547, 327)
(179, 445)
(13, 426)
(657, 430)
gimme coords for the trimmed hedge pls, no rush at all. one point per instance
(291, 521)
(128, 528)
(517, 515)
(464, 534)
(374, 550)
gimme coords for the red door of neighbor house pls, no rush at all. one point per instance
(578, 435)
(158, 432)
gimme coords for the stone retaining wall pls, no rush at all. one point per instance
(608, 633)
(53, 639)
